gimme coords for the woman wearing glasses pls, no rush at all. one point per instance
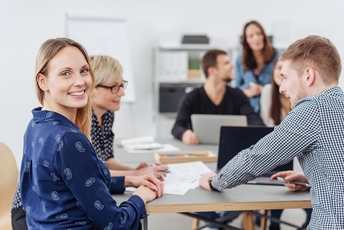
(106, 98)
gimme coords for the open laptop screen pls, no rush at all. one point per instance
(207, 126)
(235, 139)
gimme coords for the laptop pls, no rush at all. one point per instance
(207, 126)
(235, 139)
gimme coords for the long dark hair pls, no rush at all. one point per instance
(276, 105)
(248, 60)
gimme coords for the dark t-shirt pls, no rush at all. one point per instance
(234, 102)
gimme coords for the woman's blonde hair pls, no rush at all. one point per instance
(47, 51)
(106, 69)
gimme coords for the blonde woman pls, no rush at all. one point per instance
(63, 184)
(106, 98)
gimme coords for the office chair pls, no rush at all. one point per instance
(8, 185)
(248, 222)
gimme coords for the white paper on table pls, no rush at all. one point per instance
(164, 148)
(136, 140)
(144, 146)
(189, 169)
(183, 177)
(175, 185)
(178, 185)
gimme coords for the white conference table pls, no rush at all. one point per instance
(243, 197)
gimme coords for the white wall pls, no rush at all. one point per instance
(25, 25)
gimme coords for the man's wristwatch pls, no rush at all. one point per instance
(211, 185)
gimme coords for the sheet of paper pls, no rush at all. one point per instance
(136, 140)
(164, 148)
(144, 146)
(178, 185)
(183, 177)
(189, 169)
(175, 185)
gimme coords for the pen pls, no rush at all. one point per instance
(151, 164)
(300, 184)
(294, 182)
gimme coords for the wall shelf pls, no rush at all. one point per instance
(172, 79)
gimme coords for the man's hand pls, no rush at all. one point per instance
(190, 138)
(203, 181)
(292, 176)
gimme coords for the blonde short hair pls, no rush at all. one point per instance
(316, 52)
(106, 69)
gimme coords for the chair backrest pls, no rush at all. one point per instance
(8, 185)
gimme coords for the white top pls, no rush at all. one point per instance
(265, 104)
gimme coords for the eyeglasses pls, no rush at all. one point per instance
(115, 88)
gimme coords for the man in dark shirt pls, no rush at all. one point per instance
(214, 97)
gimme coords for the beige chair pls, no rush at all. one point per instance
(8, 184)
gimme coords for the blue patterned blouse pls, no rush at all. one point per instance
(64, 185)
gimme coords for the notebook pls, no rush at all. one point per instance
(235, 139)
(207, 126)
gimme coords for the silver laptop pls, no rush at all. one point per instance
(207, 126)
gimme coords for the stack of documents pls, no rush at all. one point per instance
(144, 144)
(139, 143)
(133, 141)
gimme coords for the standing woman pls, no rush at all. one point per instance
(253, 68)
(63, 184)
(106, 98)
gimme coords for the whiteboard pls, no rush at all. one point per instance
(104, 36)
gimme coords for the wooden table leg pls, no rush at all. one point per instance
(248, 220)
(195, 223)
